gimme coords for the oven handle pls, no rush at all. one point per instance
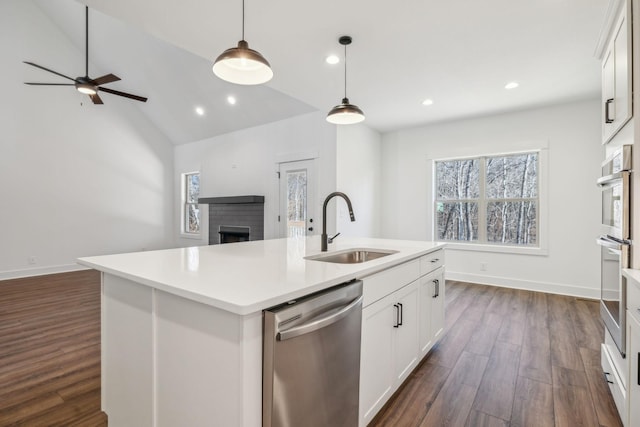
(609, 180)
(609, 243)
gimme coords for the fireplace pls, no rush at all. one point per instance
(235, 218)
(232, 234)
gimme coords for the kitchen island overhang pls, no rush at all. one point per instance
(182, 328)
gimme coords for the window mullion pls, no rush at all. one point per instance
(482, 204)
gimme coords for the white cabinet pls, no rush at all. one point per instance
(432, 292)
(389, 347)
(616, 75)
(402, 318)
(633, 348)
(633, 354)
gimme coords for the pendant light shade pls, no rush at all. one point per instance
(345, 113)
(242, 65)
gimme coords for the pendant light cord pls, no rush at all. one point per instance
(242, 19)
(86, 41)
(345, 70)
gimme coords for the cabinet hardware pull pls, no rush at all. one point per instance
(435, 260)
(606, 111)
(401, 314)
(638, 368)
(397, 315)
(606, 377)
(436, 288)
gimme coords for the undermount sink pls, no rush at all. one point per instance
(351, 256)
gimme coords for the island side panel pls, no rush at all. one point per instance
(127, 370)
(200, 365)
(252, 372)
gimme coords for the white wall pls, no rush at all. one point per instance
(572, 134)
(359, 175)
(75, 179)
(245, 163)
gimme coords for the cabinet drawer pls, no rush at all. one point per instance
(633, 298)
(431, 262)
(382, 284)
(613, 380)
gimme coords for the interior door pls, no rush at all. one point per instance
(297, 196)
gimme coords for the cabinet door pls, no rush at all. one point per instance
(376, 357)
(427, 294)
(431, 323)
(622, 90)
(616, 77)
(608, 93)
(633, 354)
(437, 306)
(406, 336)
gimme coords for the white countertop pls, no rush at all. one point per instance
(247, 277)
(632, 274)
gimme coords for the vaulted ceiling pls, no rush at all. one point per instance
(459, 54)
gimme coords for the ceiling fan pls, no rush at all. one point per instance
(86, 84)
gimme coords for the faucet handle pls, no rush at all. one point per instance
(330, 239)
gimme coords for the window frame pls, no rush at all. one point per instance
(185, 208)
(481, 244)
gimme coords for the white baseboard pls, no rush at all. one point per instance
(40, 271)
(528, 285)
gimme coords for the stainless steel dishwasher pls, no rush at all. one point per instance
(311, 360)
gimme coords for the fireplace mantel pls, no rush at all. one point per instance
(230, 200)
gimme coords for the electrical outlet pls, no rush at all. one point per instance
(483, 266)
(32, 260)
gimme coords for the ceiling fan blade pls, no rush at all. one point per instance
(46, 69)
(49, 84)
(105, 79)
(96, 99)
(126, 95)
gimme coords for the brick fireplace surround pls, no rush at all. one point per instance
(239, 211)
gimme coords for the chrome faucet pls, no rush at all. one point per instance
(324, 239)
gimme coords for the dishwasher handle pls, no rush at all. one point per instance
(306, 328)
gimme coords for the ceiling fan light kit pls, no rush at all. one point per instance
(242, 65)
(345, 113)
(85, 84)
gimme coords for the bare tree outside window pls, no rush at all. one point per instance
(296, 203)
(492, 199)
(191, 206)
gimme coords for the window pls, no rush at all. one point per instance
(488, 200)
(191, 209)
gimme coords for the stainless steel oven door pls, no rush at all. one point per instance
(613, 296)
(615, 204)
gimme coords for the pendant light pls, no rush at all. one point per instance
(345, 113)
(242, 65)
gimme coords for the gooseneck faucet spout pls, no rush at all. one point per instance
(324, 239)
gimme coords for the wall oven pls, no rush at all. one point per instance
(615, 184)
(615, 242)
(613, 295)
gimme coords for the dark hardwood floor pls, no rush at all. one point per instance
(508, 357)
(50, 351)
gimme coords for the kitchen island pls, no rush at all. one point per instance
(182, 328)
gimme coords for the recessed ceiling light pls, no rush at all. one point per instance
(427, 102)
(200, 111)
(231, 99)
(332, 59)
(511, 85)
